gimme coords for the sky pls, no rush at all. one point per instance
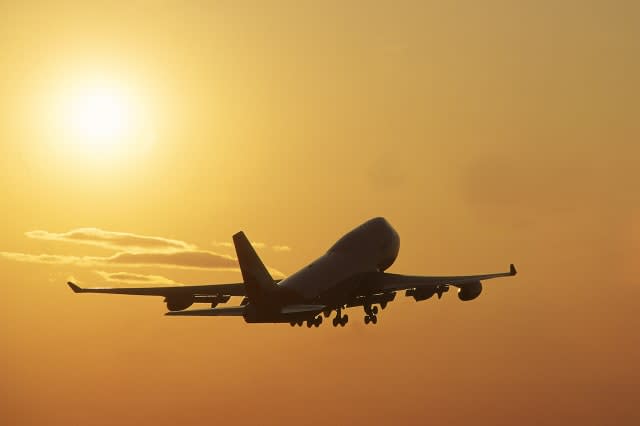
(136, 137)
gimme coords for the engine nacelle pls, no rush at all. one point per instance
(420, 293)
(470, 291)
(178, 303)
(426, 293)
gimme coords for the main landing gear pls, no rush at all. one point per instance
(340, 319)
(314, 322)
(371, 314)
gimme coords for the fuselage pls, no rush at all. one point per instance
(372, 246)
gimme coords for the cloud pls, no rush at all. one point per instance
(53, 259)
(184, 259)
(113, 240)
(131, 278)
(133, 250)
(256, 245)
(222, 244)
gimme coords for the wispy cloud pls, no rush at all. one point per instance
(113, 240)
(256, 245)
(131, 278)
(53, 259)
(183, 259)
(133, 250)
(222, 244)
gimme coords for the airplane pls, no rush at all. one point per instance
(350, 274)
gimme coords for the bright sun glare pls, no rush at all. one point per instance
(100, 115)
(101, 118)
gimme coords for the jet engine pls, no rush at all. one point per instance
(470, 290)
(178, 303)
(421, 293)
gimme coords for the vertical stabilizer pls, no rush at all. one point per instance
(255, 275)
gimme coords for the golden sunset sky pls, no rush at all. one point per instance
(136, 137)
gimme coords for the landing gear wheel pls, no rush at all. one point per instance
(317, 321)
(310, 323)
(292, 324)
(374, 319)
(336, 321)
(344, 320)
(374, 310)
(299, 323)
(383, 305)
(326, 314)
(367, 319)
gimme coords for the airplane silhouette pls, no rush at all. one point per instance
(350, 274)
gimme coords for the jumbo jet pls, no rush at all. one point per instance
(350, 274)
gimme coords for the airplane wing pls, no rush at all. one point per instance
(239, 311)
(230, 311)
(234, 289)
(384, 282)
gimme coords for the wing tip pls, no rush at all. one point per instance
(74, 287)
(512, 270)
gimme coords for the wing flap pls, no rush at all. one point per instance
(230, 311)
(295, 309)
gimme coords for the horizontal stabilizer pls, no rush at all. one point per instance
(230, 311)
(512, 269)
(294, 309)
(74, 287)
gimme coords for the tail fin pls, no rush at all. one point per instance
(255, 275)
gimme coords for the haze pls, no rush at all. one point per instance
(137, 137)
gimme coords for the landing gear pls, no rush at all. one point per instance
(373, 319)
(371, 314)
(340, 319)
(315, 322)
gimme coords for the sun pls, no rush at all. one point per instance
(101, 118)
(100, 115)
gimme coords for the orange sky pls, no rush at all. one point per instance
(485, 132)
